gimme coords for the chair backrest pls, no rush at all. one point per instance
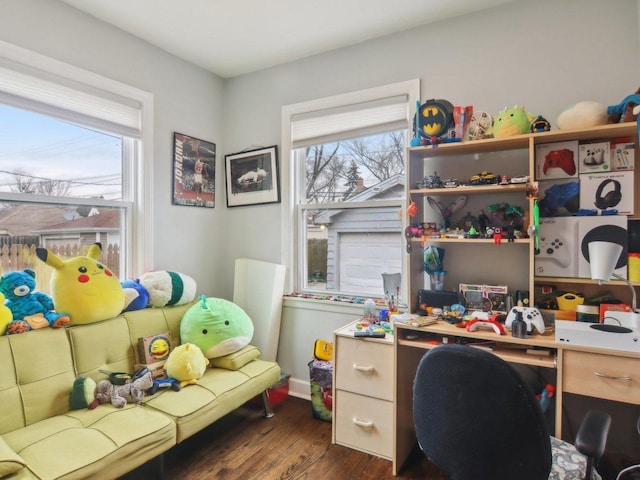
(258, 288)
(475, 417)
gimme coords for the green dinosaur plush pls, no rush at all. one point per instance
(217, 326)
(512, 121)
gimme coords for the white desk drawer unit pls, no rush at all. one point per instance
(363, 392)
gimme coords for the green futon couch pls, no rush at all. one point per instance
(41, 437)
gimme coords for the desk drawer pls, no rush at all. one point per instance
(604, 376)
(364, 423)
(364, 367)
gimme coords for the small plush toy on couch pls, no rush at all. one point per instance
(120, 395)
(31, 310)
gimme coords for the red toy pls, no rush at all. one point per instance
(475, 324)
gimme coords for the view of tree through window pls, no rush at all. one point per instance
(352, 234)
(60, 188)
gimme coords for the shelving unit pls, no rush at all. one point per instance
(479, 261)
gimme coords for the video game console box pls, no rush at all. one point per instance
(558, 254)
(594, 157)
(611, 191)
(564, 244)
(556, 160)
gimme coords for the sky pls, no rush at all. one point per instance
(46, 148)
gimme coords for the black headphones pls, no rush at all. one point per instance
(611, 198)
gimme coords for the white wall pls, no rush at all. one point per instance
(545, 55)
(187, 99)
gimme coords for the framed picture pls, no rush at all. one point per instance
(252, 177)
(194, 171)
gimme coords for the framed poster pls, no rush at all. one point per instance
(252, 177)
(194, 167)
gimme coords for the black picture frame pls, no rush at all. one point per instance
(193, 159)
(252, 177)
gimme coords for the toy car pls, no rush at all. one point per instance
(432, 181)
(520, 179)
(484, 178)
(158, 383)
(451, 183)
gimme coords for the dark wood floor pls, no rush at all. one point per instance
(291, 445)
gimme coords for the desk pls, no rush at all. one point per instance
(607, 374)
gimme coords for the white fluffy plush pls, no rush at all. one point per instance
(168, 288)
(583, 115)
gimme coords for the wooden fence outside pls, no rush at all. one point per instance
(19, 257)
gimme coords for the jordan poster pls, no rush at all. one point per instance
(194, 166)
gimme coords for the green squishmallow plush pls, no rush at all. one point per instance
(512, 121)
(219, 327)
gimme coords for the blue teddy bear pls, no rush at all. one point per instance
(31, 310)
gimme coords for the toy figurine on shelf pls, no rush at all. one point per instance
(448, 210)
(483, 222)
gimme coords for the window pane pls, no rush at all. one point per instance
(45, 156)
(361, 169)
(67, 231)
(348, 250)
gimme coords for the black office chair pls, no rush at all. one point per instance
(476, 419)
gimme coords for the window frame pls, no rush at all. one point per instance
(292, 179)
(137, 187)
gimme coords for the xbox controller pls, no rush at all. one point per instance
(531, 316)
(554, 248)
(594, 156)
(475, 324)
(562, 159)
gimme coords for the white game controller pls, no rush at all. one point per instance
(531, 316)
(594, 156)
(554, 249)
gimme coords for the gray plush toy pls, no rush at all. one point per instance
(120, 395)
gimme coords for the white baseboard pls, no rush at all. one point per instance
(300, 388)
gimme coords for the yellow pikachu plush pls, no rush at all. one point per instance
(84, 288)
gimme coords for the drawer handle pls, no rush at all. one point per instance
(363, 368)
(604, 375)
(362, 423)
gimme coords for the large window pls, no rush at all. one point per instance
(71, 165)
(347, 189)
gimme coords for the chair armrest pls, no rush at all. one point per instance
(592, 436)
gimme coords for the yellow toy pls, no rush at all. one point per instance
(186, 363)
(6, 316)
(83, 288)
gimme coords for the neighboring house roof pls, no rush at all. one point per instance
(22, 220)
(380, 190)
(105, 220)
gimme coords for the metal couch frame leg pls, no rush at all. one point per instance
(268, 411)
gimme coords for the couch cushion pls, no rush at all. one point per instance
(101, 443)
(10, 461)
(217, 393)
(36, 376)
(236, 360)
(102, 346)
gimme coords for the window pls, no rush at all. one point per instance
(346, 188)
(72, 169)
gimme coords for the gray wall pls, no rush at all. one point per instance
(545, 55)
